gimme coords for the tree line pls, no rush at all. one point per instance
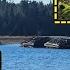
(28, 18)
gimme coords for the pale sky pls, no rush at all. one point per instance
(44, 1)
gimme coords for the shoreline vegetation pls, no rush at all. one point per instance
(61, 42)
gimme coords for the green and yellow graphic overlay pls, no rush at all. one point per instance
(55, 15)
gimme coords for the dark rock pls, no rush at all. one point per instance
(65, 44)
(39, 42)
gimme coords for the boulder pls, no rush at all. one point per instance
(39, 42)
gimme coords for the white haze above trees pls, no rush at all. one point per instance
(44, 1)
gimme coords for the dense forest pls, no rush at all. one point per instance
(29, 18)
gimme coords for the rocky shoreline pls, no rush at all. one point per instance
(60, 42)
(52, 42)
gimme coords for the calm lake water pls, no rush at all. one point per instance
(18, 58)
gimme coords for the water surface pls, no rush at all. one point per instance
(18, 58)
